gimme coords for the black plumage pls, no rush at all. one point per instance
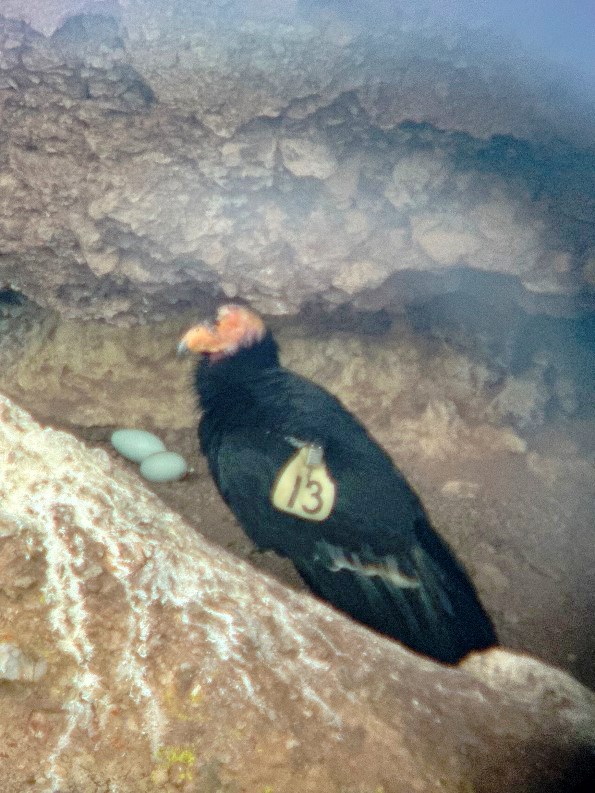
(375, 556)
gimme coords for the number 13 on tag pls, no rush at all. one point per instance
(305, 490)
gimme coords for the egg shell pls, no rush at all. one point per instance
(163, 467)
(136, 445)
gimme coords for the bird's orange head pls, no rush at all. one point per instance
(235, 327)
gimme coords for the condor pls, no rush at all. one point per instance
(304, 478)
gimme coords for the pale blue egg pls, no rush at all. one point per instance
(136, 445)
(163, 467)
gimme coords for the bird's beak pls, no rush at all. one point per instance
(182, 349)
(201, 339)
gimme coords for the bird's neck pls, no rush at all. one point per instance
(221, 383)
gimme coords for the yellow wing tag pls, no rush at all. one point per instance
(304, 486)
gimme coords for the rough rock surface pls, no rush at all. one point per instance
(153, 154)
(152, 661)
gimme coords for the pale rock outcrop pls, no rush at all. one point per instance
(14, 664)
(158, 662)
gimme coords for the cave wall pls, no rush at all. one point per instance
(154, 155)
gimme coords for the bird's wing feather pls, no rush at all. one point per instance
(372, 491)
(430, 608)
(248, 461)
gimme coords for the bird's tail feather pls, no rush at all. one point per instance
(440, 617)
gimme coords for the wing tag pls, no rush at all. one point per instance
(304, 486)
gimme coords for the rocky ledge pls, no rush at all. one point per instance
(135, 656)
